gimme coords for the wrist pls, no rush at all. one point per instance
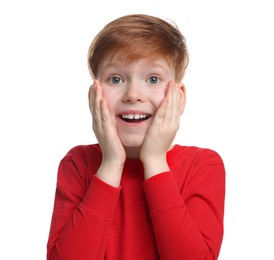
(155, 165)
(110, 172)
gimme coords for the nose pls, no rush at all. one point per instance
(133, 93)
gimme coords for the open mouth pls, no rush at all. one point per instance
(134, 118)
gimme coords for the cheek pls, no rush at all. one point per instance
(111, 100)
(157, 97)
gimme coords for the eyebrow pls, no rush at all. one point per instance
(158, 65)
(152, 64)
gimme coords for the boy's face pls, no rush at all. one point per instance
(133, 92)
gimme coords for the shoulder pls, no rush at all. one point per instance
(83, 152)
(84, 159)
(192, 160)
(195, 154)
(195, 166)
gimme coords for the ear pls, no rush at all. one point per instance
(183, 98)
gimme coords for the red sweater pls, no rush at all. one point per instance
(173, 215)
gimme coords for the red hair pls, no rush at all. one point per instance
(136, 36)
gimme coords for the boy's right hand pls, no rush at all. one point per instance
(113, 151)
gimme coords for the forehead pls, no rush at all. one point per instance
(145, 62)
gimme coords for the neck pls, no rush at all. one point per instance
(133, 152)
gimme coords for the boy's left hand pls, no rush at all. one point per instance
(162, 132)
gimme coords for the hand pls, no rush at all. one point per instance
(162, 131)
(113, 151)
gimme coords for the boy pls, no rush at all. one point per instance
(134, 195)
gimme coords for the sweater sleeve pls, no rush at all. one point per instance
(188, 220)
(81, 217)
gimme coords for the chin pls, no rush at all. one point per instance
(132, 144)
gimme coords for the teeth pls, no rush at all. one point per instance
(131, 116)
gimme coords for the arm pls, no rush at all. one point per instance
(188, 223)
(185, 227)
(82, 215)
(114, 155)
(162, 131)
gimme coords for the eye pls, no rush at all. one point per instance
(153, 80)
(115, 80)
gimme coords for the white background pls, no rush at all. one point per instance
(44, 112)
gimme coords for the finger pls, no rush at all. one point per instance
(165, 107)
(171, 99)
(182, 98)
(98, 89)
(172, 115)
(93, 93)
(96, 106)
(103, 115)
(161, 112)
(91, 97)
(177, 102)
(105, 112)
